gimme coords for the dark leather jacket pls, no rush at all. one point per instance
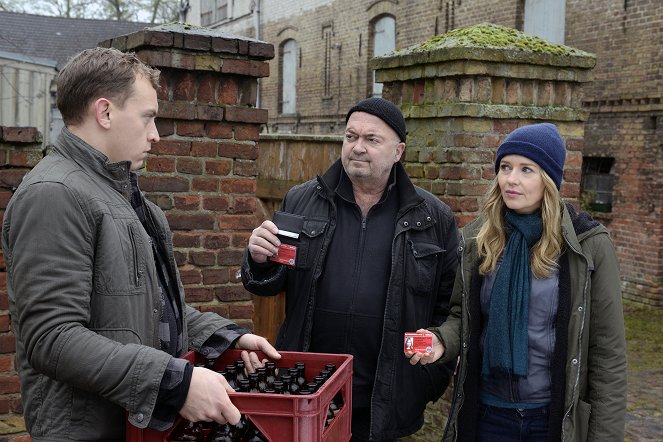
(423, 268)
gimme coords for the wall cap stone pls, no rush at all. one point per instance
(194, 38)
(487, 42)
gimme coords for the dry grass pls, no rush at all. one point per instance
(644, 341)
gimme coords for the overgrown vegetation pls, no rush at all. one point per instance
(488, 35)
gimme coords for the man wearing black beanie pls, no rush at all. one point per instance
(374, 257)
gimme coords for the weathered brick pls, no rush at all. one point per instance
(204, 149)
(219, 309)
(245, 67)
(219, 167)
(163, 184)
(216, 203)
(246, 132)
(11, 178)
(177, 110)
(243, 204)
(227, 257)
(190, 221)
(184, 87)
(14, 134)
(228, 91)
(221, 44)
(215, 240)
(207, 88)
(186, 240)
(210, 112)
(236, 150)
(230, 293)
(160, 164)
(237, 222)
(261, 50)
(205, 184)
(243, 311)
(186, 202)
(245, 114)
(218, 130)
(215, 276)
(245, 168)
(198, 42)
(171, 147)
(191, 166)
(190, 276)
(165, 127)
(202, 259)
(191, 128)
(238, 185)
(198, 294)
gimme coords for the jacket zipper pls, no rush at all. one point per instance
(132, 238)
(582, 328)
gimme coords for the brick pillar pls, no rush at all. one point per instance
(20, 150)
(203, 172)
(464, 91)
(461, 93)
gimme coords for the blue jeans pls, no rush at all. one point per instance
(512, 424)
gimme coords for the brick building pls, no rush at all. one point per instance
(321, 68)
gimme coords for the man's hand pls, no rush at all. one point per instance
(427, 358)
(208, 399)
(254, 342)
(263, 242)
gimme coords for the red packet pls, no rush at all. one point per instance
(418, 342)
(286, 255)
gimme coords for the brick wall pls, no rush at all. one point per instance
(20, 149)
(203, 172)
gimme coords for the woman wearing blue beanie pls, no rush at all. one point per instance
(536, 314)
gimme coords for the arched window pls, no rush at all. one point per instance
(545, 18)
(384, 41)
(289, 77)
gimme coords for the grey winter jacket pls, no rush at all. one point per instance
(591, 370)
(423, 267)
(84, 300)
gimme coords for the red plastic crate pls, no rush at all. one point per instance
(285, 418)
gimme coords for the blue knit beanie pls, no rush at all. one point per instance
(541, 143)
(384, 110)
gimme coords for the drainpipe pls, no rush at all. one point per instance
(256, 16)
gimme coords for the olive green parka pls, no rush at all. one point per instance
(592, 405)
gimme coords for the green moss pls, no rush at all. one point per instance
(487, 35)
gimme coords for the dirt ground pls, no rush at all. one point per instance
(644, 339)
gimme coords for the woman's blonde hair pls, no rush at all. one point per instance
(491, 239)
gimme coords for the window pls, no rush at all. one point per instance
(384, 41)
(213, 11)
(545, 18)
(596, 183)
(289, 77)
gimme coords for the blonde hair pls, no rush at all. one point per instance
(491, 238)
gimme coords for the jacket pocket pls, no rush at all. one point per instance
(120, 259)
(581, 415)
(309, 243)
(421, 262)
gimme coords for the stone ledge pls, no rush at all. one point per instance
(470, 67)
(497, 111)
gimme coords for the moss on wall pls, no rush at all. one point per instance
(487, 35)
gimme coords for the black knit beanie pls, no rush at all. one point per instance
(541, 143)
(384, 110)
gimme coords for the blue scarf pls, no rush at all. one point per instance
(506, 342)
